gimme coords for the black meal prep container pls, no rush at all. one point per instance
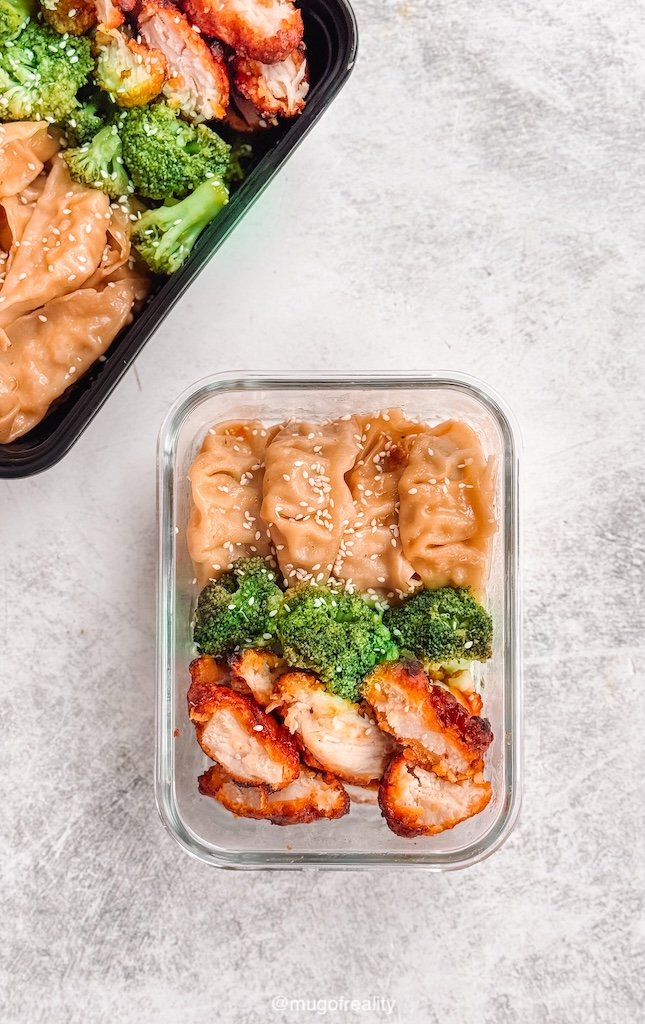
(331, 38)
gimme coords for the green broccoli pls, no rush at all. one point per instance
(442, 627)
(167, 157)
(83, 124)
(239, 609)
(335, 634)
(14, 15)
(40, 74)
(99, 163)
(165, 237)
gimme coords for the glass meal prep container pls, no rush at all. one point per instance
(361, 838)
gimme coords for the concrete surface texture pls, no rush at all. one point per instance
(474, 200)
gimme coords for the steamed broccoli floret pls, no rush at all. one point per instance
(164, 237)
(14, 15)
(99, 163)
(129, 71)
(446, 626)
(239, 609)
(335, 634)
(167, 157)
(40, 74)
(83, 124)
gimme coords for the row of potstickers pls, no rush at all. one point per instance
(381, 503)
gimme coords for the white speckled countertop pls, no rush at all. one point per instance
(474, 200)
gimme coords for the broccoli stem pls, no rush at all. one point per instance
(166, 236)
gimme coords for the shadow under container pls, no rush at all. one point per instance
(360, 839)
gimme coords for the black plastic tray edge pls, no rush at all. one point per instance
(22, 462)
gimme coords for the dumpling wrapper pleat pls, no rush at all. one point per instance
(72, 215)
(25, 147)
(226, 482)
(46, 356)
(371, 556)
(446, 517)
(69, 285)
(306, 502)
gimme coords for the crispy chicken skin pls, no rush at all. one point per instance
(310, 797)
(336, 735)
(437, 730)
(265, 30)
(469, 699)
(108, 14)
(73, 16)
(205, 673)
(234, 731)
(416, 802)
(275, 90)
(197, 74)
(461, 686)
(257, 669)
(141, 69)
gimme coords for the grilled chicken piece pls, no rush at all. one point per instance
(310, 797)
(265, 30)
(275, 90)
(336, 735)
(73, 16)
(468, 698)
(427, 719)
(251, 672)
(461, 686)
(232, 730)
(108, 14)
(256, 669)
(197, 74)
(205, 673)
(133, 74)
(416, 802)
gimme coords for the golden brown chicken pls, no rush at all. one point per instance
(257, 670)
(427, 719)
(275, 90)
(416, 802)
(336, 735)
(197, 74)
(265, 30)
(206, 672)
(73, 16)
(234, 731)
(310, 797)
(109, 15)
(133, 74)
